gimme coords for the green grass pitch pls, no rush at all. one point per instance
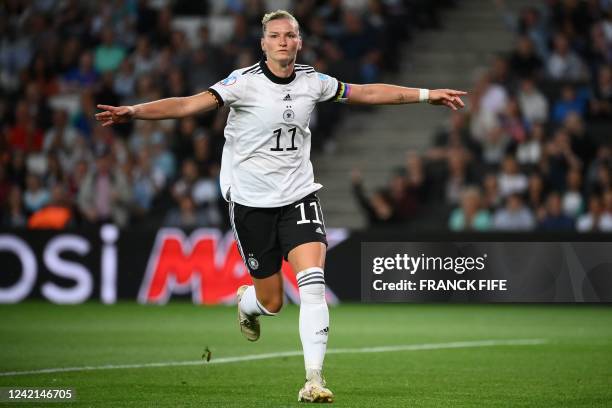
(572, 367)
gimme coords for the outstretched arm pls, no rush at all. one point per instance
(384, 94)
(168, 108)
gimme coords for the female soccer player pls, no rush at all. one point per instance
(267, 178)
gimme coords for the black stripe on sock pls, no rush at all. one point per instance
(312, 283)
(319, 278)
(311, 275)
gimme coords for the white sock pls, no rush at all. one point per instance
(314, 317)
(251, 306)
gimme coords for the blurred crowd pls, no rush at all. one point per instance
(533, 151)
(60, 58)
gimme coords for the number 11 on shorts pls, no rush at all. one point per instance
(304, 220)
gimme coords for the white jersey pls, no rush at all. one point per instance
(266, 156)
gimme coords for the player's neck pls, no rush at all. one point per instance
(280, 70)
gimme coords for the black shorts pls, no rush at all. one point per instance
(266, 235)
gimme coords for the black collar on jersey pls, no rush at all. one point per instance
(274, 78)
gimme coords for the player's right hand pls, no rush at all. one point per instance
(115, 114)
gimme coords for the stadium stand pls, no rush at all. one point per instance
(537, 129)
(58, 59)
(533, 151)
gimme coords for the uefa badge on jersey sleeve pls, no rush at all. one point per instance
(230, 80)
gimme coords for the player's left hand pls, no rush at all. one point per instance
(447, 97)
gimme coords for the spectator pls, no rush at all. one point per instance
(157, 60)
(511, 180)
(54, 173)
(163, 159)
(84, 76)
(533, 104)
(78, 152)
(555, 219)
(580, 141)
(536, 193)
(597, 219)
(564, 64)
(416, 176)
(404, 200)
(44, 76)
(489, 99)
(190, 183)
(570, 102)
(512, 122)
(573, 203)
(108, 55)
(201, 73)
(495, 146)
(524, 62)
(104, 195)
(470, 216)
(125, 79)
(603, 179)
(105, 89)
(143, 59)
(187, 215)
(377, 208)
(36, 195)
(458, 176)
(515, 216)
(359, 45)
(531, 22)
(187, 131)
(83, 119)
(560, 158)
(202, 156)
(601, 103)
(492, 199)
(530, 152)
(17, 168)
(455, 135)
(14, 214)
(598, 173)
(61, 136)
(598, 49)
(24, 135)
(145, 133)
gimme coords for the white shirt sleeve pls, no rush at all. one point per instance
(330, 88)
(231, 89)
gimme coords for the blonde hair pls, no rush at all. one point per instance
(277, 15)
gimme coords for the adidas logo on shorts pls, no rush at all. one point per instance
(319, 230)
(287, 98)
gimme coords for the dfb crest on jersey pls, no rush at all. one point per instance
(253, 263)
(288, 115)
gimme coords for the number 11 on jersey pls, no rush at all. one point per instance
(304, 220)
(277, 133)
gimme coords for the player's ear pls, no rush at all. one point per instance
(300, 44)
(263, 48)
